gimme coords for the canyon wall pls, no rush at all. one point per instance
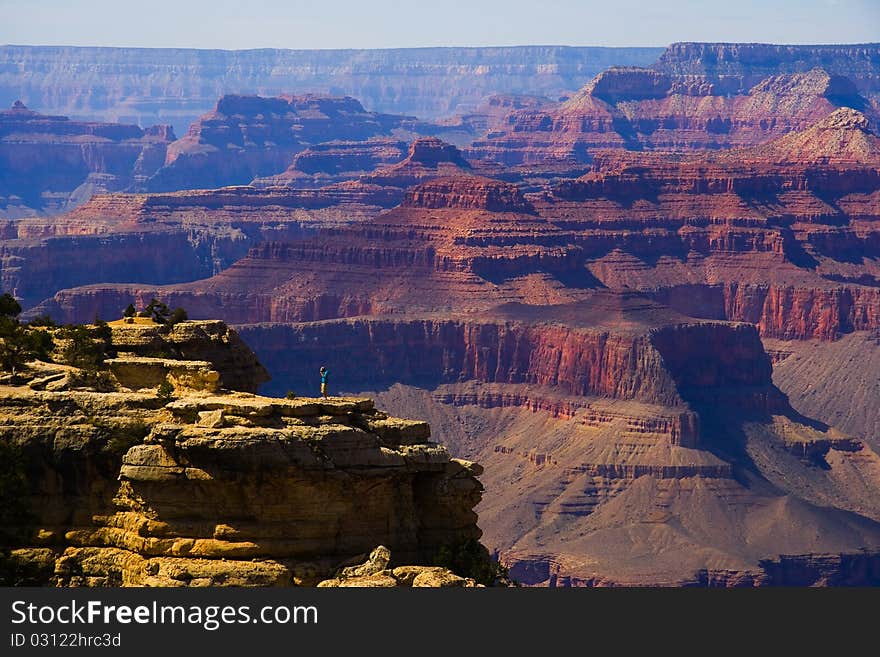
(783, 312)
(135, 84)
(664, 366)
(247, 137)
(168, 238)
(443, 351)
(51, 163)
(735, 67)
(642, 109)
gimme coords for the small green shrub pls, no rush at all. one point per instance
(19, 343)
(81, 350)
(165, 391)
(43, 320)
(471, 559)
(179, 315)
(9, 307)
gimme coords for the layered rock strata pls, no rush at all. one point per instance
(51, 163)
(222, 488)
(781, 235)
(166, 238)
(248, 137)
(734, 67)
(644, 109)
(140, 85)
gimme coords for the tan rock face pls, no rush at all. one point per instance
(197, 356)
(136, 373)
(374, 573)
(223, 488)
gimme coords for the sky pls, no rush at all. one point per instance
(241, 24)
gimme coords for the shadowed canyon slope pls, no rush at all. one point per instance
(49, 163)
(837, 382)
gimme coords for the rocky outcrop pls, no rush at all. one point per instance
(375, 573)
(222, 488)
(203, 341)
(467, 193)
(427, 158)
(51, 163)
(137, 84)
(490, 113)
(617, 84)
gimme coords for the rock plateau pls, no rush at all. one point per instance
(220, 487)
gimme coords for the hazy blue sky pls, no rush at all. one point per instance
(404, 23)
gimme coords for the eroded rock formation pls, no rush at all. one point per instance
(643, 109)
(781, 235)
(216, 487)
(51, 163)
(735, 67)
(166, 238)
(572, 331)
(248, 137)
(137, 85)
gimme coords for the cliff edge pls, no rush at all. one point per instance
(136, 483)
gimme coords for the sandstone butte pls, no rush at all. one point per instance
(248, 137)
(219, 486)
(138, 86)
(53, 164)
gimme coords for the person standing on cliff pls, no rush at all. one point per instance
(324, 375)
